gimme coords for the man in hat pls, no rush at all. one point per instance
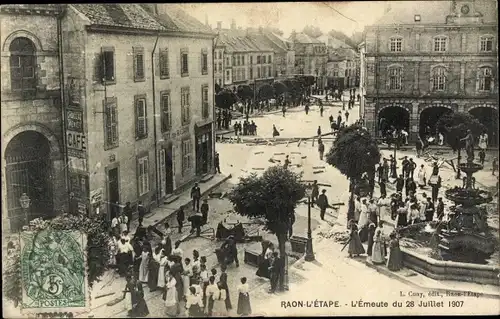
(322, 204)
(204, 211)
(195, 196)
(217, 163)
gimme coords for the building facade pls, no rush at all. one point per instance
(83, 95)
(311, 57)
(343, 68)
(33, 147)
(426, 59)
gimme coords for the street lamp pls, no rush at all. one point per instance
(309, 246)
(25, 202)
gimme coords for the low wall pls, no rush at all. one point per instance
(450, 270)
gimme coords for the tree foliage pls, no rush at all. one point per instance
(339, 35)
(225, 99)
(244, 92)
(454, 126)
(96, 229)
(272, 196)
(312, 31)
(266, 92)
(217, 88)
(279, 88)
(354, 152)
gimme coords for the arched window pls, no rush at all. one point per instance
(485, 79)
(395, 78)
(438, 79)
(22, 65)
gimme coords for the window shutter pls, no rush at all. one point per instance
(138, 176)
(98, 74)
(136, 112)
(478, 79)
(431, 88)
(200, 61)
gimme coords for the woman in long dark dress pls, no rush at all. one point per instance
(130, 287)
(355, 246)
(140, 308)
(244, 308)
(154, 266)
(267, 251)
(395, 259)
(371, 233)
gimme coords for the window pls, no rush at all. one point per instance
(269, 59)
(234, 60)
(438, 79)
(486, 44)
(251, 59)
(395, 78)
(110, 123)
(220, 66)
(186, 156)
(228, 60)
(238, 60)
(269, 72)
(258, 72)
(164, 67)
(485, 79)
(166, 112)
(220, 55)
(215, 67)
(396, 45)
(143, 175)
(141, 122)
(251, 73)
(336, 73)
(108, 71)
(204, 100)
(138, 64)
(227, 76)
(258, 59)
(184, 63)
(243, 60)
(185, 111)
(204, 62)
(22, 66)
(244, 74)
(440, 44)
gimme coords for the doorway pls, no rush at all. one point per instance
(113, 191)
(203, 142)
(393, 117)
(429, 119)
(28, 170)
(489, 118)
(167, 174)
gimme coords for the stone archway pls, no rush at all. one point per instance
(428, 119)
(488, 116)
(28, 170)
(393, 116)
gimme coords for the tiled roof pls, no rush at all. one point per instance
(119, 15)
(263, 42)
(333, 42)
(433, 12)
(341, 54)
(243, 41)
(173, 15)
(283, 43)
(304, 38)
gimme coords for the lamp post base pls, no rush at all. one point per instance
(309, 250)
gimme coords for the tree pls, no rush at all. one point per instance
(454, 126)
(217, 88)
(266, 92)
(312, 31)
(96, 229)
(279, 89)
(353, 153)
(225, 99)
(273, 197)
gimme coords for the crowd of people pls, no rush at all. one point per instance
(247, 128)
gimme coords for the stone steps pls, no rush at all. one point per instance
(206, 178)
(170, 199)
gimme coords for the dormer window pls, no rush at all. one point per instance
(396, 45)
(417, 18)
(440, 44)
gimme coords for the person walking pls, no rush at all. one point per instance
(429, 210)
(319, 131)
(322, 202)
(287, 162)
(217, 162)
(123, 222)
(144, 265)
(223, 281)
(321, 149)
(212, 293)
(422, 177)
(395, 258)
(204, 211)
(355, 246)
(141, 211)
(339, 119)
(275, 131)
(307, 108)
(244, 307)
(195, 196)
(377, 256)
(219, 304)
(180, 218)
(346, 116)
(330, 118)
(435, 183)
(171, 296)
(321, 109)
(440, 209)
(283, 109)
(371, 233)
(315, 192)
(411, 168)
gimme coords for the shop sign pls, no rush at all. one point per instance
(77, 163)
(76, 140)
(96, 196)
(74, 120)
(74, 89)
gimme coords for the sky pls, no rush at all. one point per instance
(289, 16)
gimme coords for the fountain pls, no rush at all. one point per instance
(467, 229)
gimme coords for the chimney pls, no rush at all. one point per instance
(233, 24)
(219, 25)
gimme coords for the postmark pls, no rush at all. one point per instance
(53, 272)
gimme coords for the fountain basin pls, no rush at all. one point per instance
(470, 167)
(468, 197)
(450, 270)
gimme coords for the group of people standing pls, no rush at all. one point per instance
(247, 128)
(224, 118)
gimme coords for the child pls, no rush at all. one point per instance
(482, 156)
(244, 307)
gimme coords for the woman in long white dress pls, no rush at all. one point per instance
(483, 141)
(377, 256)
(219, 309)
(171, 299)
(144, 266)
(161, 269)
(422, 177)
(186, 276)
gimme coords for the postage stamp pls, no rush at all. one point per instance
(53, 272)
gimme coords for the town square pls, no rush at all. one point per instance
(168, 160)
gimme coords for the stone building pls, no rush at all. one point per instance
(33, 160)
(424, 59)
(111, 103)
(140, 78)
(342, 68)
(310, 57)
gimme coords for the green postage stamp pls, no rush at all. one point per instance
(53, 272)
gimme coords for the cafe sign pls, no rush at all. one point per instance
(76, 140)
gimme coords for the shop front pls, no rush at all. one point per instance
(204, 149)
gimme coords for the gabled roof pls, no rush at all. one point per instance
(119, 15)
(283, 43)
(304, 38)
(433, 12)
(235, 40)
(172, 15)
(333, 42)
(341, 54)
(264, 43)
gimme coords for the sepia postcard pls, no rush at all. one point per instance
(335, 158)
